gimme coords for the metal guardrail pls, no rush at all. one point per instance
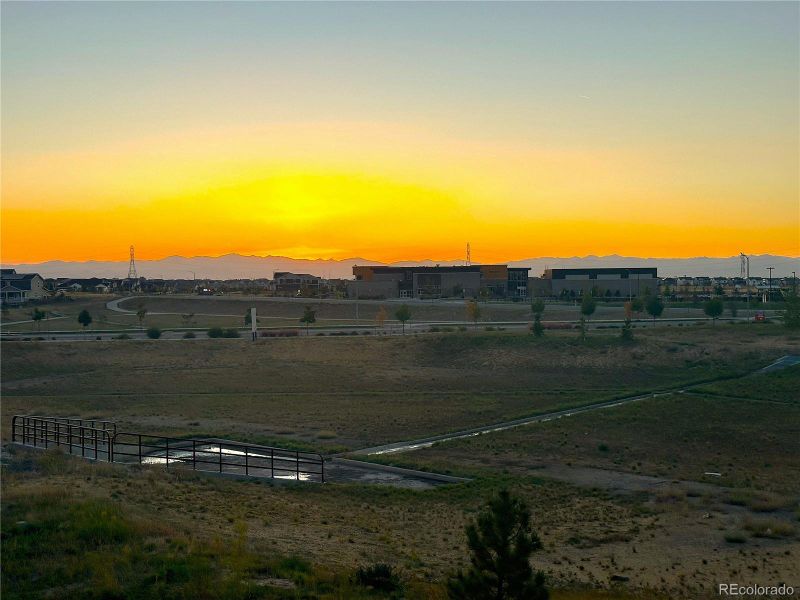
(105, 443)
(93, 423)
(219, 456)
(44, 432)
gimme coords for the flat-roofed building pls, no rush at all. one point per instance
(467, 281)
(608, 282)
(295, 284)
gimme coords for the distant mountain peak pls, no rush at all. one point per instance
(238, 266)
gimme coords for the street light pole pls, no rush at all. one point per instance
(630, 292)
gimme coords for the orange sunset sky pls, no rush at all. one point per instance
(399, 131)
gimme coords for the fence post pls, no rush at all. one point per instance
(272, 461)
(94, 431)
(194, 455)
(167, 440)
(46, 434)
(246, 461)
(220, 458)
(140, 448)
(297, 463)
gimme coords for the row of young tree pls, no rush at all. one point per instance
(652, 305)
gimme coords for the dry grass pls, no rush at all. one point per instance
(588, 536)
(370, 390)
(367, 390)
(769, 528)
(676, 437)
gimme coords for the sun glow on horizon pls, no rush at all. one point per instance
(647, 157)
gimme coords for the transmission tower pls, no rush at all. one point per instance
(745, 268)
(132, 267)
(469, 255)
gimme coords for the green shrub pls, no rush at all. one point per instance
(627, 331)
(215, 332)
(154, 333)
(230, 333)
(537, 328)
(380, 577)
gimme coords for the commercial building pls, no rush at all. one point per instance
(467, 281)
(617, 283)
(295, 284)
(18, 288)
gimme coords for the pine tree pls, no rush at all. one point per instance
(501, 542)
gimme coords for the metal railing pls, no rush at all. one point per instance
(104, 442)
(44, 432)
(219, 456)
(109, 426)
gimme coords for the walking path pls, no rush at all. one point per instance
(406, 446)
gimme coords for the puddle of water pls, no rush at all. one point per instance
(213, 452)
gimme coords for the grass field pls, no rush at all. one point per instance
(158, 534)
(135, 532)
(344, 392)
(229, 311)
(682, 436)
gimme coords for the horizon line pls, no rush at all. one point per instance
(368, 260)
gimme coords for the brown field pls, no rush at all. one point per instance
(451, 310)
(682, 436)
(365, 390)
(229, 311)
(586, 477)
(665, 546)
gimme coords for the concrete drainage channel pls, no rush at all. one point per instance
(101, 441)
